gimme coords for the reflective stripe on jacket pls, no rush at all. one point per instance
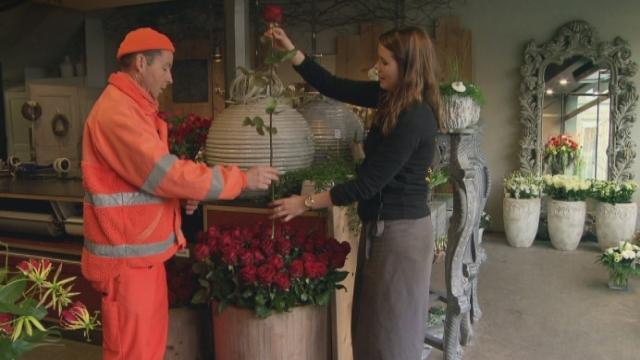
(134, 185)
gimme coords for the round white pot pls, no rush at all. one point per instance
(460, 112)
(566, 223)
(521, 217)
(615, 223)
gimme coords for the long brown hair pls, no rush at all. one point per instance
(413, 50)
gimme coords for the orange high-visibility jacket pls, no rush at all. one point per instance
(133, 185)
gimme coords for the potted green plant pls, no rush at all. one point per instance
(462, 102)
(566, 210)
(615, 212)
(521, 208)
(621, 261)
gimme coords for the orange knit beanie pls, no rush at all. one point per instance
(144, 39)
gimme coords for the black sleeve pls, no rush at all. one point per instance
(386, 160)
(360, 93)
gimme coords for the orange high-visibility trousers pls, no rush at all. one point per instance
(135, 314)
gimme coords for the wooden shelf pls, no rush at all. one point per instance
(65, 247)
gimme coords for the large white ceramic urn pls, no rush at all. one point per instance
(521, 218)
(615, 223)
(230, 142)
(334, 127)
(566, 223)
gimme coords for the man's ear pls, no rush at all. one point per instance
(140, 62)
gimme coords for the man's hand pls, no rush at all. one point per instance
(190, 206)
(260, 177)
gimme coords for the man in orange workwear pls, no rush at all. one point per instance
(134, 188)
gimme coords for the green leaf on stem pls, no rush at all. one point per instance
(272, 103)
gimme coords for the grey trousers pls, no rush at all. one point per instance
(391, 293)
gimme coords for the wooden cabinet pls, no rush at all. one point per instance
(68, 98)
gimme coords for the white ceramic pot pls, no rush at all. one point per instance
(334, 127)
(566, 223)
(615, 223)
(460, 112)
(521, 218)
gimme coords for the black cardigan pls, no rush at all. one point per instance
(392, 176)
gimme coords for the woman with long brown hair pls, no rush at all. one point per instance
(396, 249)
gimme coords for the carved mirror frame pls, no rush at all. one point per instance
(573, 39)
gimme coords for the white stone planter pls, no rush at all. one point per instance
(521, 218)
(615, 223)
(566, 223)
(460, 112)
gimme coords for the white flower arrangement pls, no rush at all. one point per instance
(566, 188)
(613, 192)
(522, 186)
(621, 261)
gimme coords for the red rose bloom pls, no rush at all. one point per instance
(201, 251)
(246, 257)
(276, 261)
(258, 257)
(283, 246)
(272, 14)
(296, 268)
(248, 274)
(282, 281)
(266, 273)
(315, 270)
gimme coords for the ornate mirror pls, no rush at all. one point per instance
(581, 87)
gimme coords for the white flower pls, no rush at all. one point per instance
(628, 254)
(373, 74)
(609, 251)
(627, 246)
(617, 257)
(458, 86)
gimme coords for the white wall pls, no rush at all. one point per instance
(500, 30)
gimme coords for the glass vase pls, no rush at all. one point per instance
(618, 280)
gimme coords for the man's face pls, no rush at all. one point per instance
(156, 75)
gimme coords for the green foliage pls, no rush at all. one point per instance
(261, 128)
(470, 90)
(324, 174)
(437, 177)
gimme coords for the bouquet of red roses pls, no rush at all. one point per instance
(187, 133)
(247, 268)
(561, 152)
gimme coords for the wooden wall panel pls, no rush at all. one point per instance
(453, 45)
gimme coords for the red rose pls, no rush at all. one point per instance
(266, 272)
(258, 257)
(282, 281)
(272, 14)
(276, 261)
(230, 254)
(315, 270)
(296, 268)
(201, 251)
(308, 257)
(246, 257)
(248, 274)
(267, 247)
(309, 246)
(283, 246)
(324, 258)
(212, 232)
